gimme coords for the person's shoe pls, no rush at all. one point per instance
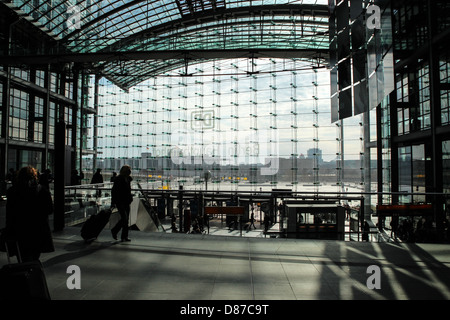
(114, 235)
(126, 239)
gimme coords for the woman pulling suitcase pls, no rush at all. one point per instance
(121, 197)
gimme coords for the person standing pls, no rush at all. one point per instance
(121, 197)
(75, 178)
(27, 209)
(45, 178)
(113, 177)
(97, 177)
(394, 226)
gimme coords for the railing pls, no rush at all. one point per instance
(85, 200)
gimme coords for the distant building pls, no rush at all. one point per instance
(315, 152)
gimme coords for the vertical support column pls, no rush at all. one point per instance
(435, 115)
(340, 153)
(393, 119)
(60, 161)
(32, 112)
(5, 123)
(84, 94)
(95, 138)
(367, 164)
(59, 184)
(180, 207)
(75, 109)
(7, 102)
(316, 166)
(253, 156)
(294, 131)
(340, 156)
(379, 163)
(235, 125)
(217, 143)
(341, 126)
(272, 137)
(46, 116)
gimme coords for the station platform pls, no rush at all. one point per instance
(174, 266)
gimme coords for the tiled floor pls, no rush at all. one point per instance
(164, 266)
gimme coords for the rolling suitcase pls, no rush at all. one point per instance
(23, 280)
(95, 224)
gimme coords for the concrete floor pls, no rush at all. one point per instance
(165, 266)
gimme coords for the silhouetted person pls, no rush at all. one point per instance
(27, 209)
(121, 197)
(75, 179)
(195, 227)
(45, 178)
(174, 226)
(11, 176)
(446, 229)
(266, 223)
(252, 219)
(394, 226)
(97, 177)
(113, 177)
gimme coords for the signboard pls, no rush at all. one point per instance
(404, 209)
(225, 210)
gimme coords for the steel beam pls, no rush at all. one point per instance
(90, 58)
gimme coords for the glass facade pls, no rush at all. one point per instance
(413, 128)
(33, 111)
(444, 71)
(268, 127)
(218, 101)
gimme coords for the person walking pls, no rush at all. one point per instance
(252, 218)
(27, 209)
(394, 226)
(121, 197)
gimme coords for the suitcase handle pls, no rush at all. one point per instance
(19, 257)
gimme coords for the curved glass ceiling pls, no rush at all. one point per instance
(114, 26)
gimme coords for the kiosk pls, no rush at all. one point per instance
(315, 221)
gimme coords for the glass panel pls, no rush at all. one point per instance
(404, 173)
(446, 166)
(418, 171)
(223, 121)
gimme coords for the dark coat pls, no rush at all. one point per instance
(27, 211)
(97, 178)
(121, 191)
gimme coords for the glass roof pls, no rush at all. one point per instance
(92, 26)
